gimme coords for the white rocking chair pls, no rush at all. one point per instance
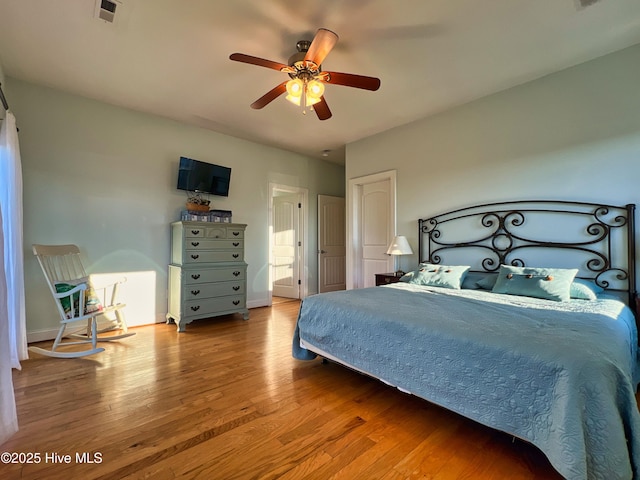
(77, 300)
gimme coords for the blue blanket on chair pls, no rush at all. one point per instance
(561, 375)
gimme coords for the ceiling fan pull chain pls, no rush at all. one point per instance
(303, 99)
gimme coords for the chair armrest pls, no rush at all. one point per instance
(68, 293)
(108, 293)
(111, 284)
(73, 309)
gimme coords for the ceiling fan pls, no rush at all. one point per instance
(306, 86)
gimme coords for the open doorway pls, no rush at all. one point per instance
(288, 215)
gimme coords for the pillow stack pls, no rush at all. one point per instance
(558, 284)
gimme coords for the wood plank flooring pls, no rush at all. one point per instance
(225, 400)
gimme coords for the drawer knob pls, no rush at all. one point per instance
(195, 257)
(235, 244)
(195, 308)
(195, 276)
(195, 292)
(236, 273)
(236, 255)
(235, 234)
(236, 302)
(195, 244)
(236, 287)
(195, 232)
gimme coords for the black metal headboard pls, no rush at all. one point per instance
(597, 239)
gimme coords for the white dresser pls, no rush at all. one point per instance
(207, 274)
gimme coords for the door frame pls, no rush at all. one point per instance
(303, 229)
(354, 213)
(320, 244)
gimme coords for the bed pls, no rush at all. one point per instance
(558, 373)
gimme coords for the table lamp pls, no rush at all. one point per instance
(399, 246)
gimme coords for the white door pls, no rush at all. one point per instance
(376, 230)
(331, 244)
(371, 224)
(285, 244)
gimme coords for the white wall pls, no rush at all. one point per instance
(573, 135)
(104, 178)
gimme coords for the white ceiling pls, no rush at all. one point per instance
(171, 58)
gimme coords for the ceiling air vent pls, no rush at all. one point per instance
(580, 4)
(106, 10)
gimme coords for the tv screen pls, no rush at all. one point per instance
(197, 176)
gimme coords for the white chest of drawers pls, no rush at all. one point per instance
(207, 274)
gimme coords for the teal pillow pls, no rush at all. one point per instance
(473, 279)
(584, 289)
(547, 283)
(406, 277)
(446, 276)
(488, 281)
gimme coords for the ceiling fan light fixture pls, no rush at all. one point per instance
(294, 100)
(310, 101)
(294, 88)
(315, 89)
(311, 91)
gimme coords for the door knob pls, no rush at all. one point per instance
(323, 251)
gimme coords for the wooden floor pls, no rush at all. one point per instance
(278, 300)
(225, 400)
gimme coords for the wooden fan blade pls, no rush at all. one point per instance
(270, 96)
(351, 80)
(322, 109)
(321, 45)
(261, 62)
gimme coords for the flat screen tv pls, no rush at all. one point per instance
(202, 177)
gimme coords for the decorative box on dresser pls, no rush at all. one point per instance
(208, 274)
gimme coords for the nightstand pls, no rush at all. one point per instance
(386, 278)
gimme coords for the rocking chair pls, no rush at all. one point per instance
(78, 300)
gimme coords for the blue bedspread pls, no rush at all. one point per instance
(561, 375)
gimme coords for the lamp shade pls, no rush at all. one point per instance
(399, 246)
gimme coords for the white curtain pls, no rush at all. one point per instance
(8, 415)
(13, 331)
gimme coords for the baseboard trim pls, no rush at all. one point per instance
(258, 303)
(41, 335)
(50, 334)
